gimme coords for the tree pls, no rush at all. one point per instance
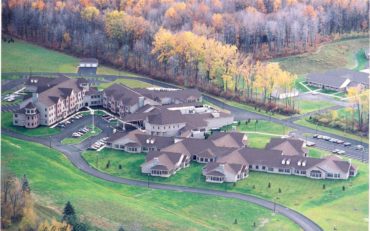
(54, 225)
(69, 214)
(90, 13)
(121, 228)
(269, 185)
(25, 184)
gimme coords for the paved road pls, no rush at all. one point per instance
(241, 114)
(73, 153)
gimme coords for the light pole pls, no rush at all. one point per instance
(93, 122)
(49, 141)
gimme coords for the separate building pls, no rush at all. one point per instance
(288, 146)
(338, 79)
(88, 67)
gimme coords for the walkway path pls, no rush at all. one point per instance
(74, 155)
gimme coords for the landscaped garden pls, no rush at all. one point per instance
(311, 197)
(7, 123)
(93, 131)
(107, 206)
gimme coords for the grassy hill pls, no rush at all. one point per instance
(343, 53)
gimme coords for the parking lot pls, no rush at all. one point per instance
(80, 125)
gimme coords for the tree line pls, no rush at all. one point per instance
(154, 37)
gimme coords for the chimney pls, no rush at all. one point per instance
(35, 96)
(141, 101)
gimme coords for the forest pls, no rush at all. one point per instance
(217, 45)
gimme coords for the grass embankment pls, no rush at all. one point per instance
(7, 123)
(324, 206)
(306, 123)
(54, 180)
(25, 57)
(92, 132)
(333, 55)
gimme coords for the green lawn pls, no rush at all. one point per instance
(7, 123)
(361, 59)
(90, 133)
(105, 205)
(25, 57)
(306, 106)
(303, 194)
(329, 56)
(260, 133)
(306, 123)
(128, 82)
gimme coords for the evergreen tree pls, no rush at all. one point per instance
(69, 214)
(269, 185)
(121, 229)
(25, 184)
(80, 227)
(323, 186)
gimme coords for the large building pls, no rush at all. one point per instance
(88, 66)
(338, 79)
(52, 100)
(185, 120)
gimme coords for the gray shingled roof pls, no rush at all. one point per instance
(335, 78)
(287, 146)
(122, 93)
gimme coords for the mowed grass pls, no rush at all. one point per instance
(105, 205)
(260, 131)
(306, 106)
(330, 207)
(7, 123)
(92, 132)
(306, 123)
(128, 82)
(22, 56)
(329, 56)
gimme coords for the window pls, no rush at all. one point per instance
(15, 121)
(270, 169)
(257, 167)
(281, 170)
(263, 167)
(287, 170)
(15, 115)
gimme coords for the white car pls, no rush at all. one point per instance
(341, 152)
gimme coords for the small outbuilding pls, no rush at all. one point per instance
(88, 66)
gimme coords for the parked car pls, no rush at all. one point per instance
(319, 137)
(310, 144)
(346, 144)
(359, 147)
(340, 141)
(315, 136)
(341, 152)
(327, 138)
(335, 151)
(333, 140)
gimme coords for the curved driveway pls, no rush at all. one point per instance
(74, 155)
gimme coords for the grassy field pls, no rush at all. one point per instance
(77, 140)
(25, 57)
(303, 194)
(128, 82)
(329, 56)
(7, 123)
(107, 205)
(306, 123)
(306, 106)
